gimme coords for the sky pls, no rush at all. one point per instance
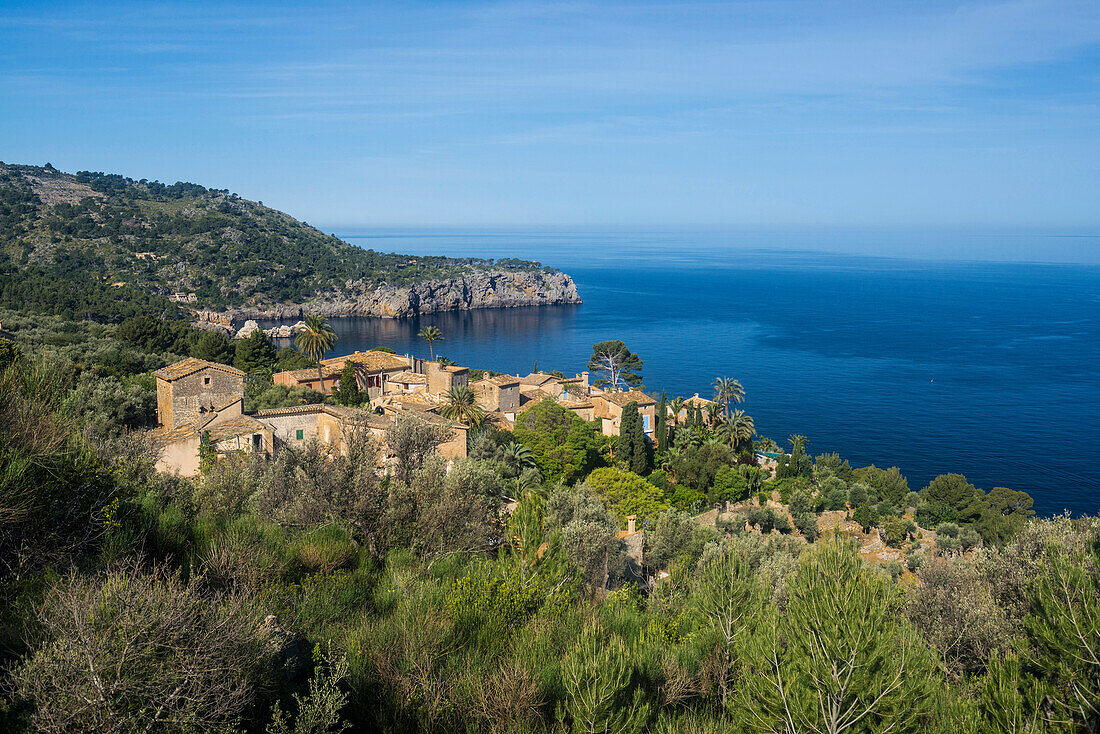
(862, 114)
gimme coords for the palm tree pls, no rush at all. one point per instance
(461, 405)
(430, 334)
(714, 411)
(444, 362)
(727, 390)
(518, 456)
(676, 405)
(314, 339)
(741, 431)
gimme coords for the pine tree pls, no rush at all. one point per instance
(839, 659)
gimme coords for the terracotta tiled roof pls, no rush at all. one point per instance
(372, 361)
(408, 378)
(630, 396)
(696, 401)
(537, 379)
(575, 404)
(310, 373)
(235, 427)
(191, 365)
(219, 432)
(502, 380)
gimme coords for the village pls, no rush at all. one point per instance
(202, 403)
(196, 398)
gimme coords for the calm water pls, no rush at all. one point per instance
(987, 369)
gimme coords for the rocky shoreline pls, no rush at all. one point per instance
(491, 289)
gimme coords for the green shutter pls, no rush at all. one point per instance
(298, 434)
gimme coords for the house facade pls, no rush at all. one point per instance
(608, 407)
(196, 398)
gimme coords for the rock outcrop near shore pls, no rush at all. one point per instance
(492, 289)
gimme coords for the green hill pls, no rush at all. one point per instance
(107, 246)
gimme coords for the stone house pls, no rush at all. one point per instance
(608, 407)
(404, 383)
(372, 370)
(691, 404)
(191, 391)
(500, 394)
(195, 397)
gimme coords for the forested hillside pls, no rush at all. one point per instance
(76, 244)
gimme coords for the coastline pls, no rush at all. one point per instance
(486, 290)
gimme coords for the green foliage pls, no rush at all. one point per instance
(806, 523)
(10, 353)
(632, 448)
(767, 520)
(256, 354)
(318, 712)
(213, 346)
(867, 517)
(698, 466)
(951, 490)
(730, 485)
(347, 392)
(227, 250)
(884, 484)
(596, 676)
(564, 445)
(895, 530)
(862, 669)
(619, 365)
(626, 493)
(676, 535)
(1064, 629)
(492, 601)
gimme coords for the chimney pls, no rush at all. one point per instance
(630, 521)
(584, 379)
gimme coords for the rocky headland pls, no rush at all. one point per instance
(491, 289)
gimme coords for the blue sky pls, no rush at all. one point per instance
(981, 114)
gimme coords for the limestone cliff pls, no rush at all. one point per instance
(490, 289)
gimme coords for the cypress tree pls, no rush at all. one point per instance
(348, 393)
(631, 447)
(660, 428)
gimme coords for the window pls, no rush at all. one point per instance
(299, 434)
(257, 441)
(206, 381)
(645, 422)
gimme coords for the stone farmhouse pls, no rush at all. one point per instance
(378, 373)
(196, 397)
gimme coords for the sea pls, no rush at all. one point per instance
(933, 351)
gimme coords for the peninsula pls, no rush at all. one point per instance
(114, 244)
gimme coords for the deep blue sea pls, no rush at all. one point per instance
(989, 369)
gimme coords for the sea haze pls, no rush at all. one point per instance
(989, 369)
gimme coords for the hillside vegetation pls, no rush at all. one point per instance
(78, 244)
(310, 594)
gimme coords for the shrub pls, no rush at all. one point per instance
(895, 530)
(137, 651)
(626, 493)
(806, 523)
(866, 517)
(957, 613)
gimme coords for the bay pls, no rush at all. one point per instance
(989, 369)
